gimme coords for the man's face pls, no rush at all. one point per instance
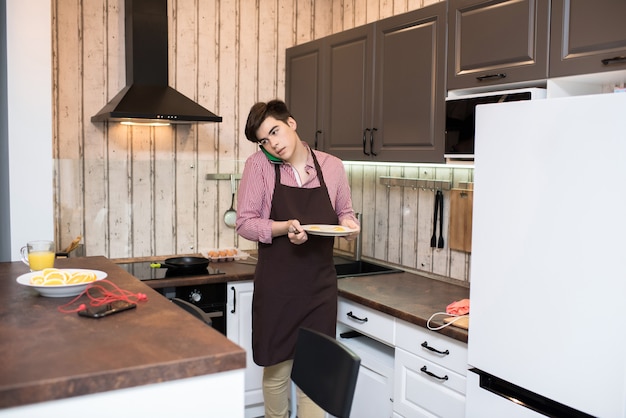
(278, 138)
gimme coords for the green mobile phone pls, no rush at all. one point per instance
(273, 159)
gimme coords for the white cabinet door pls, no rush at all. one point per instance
(425, 389)
(239, 330)
(374, 388)
(371, 397)
(429, 373)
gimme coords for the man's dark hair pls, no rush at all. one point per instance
(260, 111)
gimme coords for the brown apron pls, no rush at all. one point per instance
(294, 285)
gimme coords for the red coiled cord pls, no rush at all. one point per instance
(99, 295)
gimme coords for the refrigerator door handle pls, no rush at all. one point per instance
(526, 398)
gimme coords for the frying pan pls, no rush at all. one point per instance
(183, 263)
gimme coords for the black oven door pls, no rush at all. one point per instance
(211, 298)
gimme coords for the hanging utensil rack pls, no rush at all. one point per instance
(221, 176)
(415, 183)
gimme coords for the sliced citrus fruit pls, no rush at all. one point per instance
(54, 282)
(37, 280)
(81, 277)
(61, 275)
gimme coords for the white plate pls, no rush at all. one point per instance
(328, 230)
(60, 291)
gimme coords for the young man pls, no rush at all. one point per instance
(286, 185)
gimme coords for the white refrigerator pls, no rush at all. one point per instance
(548, 273)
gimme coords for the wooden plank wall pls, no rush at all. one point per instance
(142, 191)
(398, 221)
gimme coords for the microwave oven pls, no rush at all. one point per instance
(460, 117)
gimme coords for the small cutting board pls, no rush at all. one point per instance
(462, 322)
(461, 204)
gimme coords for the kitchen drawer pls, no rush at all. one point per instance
(373, 323)
(419, 394)
(450, 353)
(374, 389)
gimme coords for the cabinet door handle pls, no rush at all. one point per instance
(488, 77)
(234, 299)
(365, 141)
(434, 350)
(316, 135)
(431, 374)
(614, 60)
(372, 141)
(365, 131)
(351, 315)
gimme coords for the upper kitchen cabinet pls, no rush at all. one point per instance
(349, 93)
(331, 73)
(495, 42)
(382, 88)
(304, 88)
(587, 37)
(409, 99)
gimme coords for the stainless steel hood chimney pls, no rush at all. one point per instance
(147, 96)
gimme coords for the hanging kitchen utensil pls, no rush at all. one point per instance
(189, 263)
(440, 196)
(433, 239)
(230, 217)
(73, 245)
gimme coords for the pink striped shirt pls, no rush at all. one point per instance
(256, 189)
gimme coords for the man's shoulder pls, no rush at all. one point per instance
(324, 157)
(257, 158)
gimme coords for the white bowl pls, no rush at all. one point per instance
(63, 290)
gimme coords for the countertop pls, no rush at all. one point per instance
(48, 355)
(403, 295)
(407, 296)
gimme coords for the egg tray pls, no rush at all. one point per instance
(224, 254)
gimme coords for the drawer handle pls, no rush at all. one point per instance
(426, 346)
(614, 60)
(488, 77)
(351, 315)
(431, 374)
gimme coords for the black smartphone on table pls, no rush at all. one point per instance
(108, 309)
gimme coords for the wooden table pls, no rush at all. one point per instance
(48, 355)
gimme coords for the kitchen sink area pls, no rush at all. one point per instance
(347, 267)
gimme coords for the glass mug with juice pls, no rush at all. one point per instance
(38, 255)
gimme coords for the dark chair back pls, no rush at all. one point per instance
(326, 371)
(194, 310)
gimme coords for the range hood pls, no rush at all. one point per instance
(147, 97)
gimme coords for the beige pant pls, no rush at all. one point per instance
(276, 389)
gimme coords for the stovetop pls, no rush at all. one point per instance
(143, 271)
